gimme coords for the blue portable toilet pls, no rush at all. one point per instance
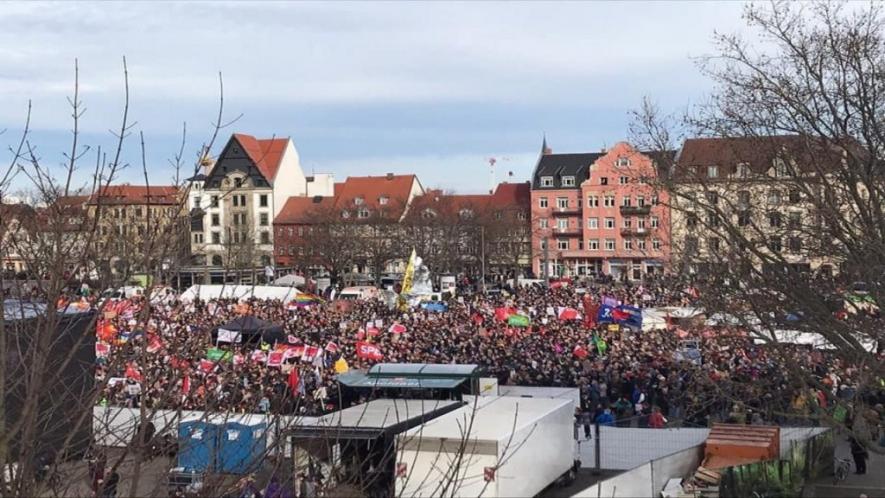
(241, 447)
(197, 445)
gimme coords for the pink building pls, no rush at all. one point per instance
(598, 213)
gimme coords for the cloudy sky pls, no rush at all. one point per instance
(362, 88)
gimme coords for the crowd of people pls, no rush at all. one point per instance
(159, 356)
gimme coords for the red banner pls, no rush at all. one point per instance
(368, 351)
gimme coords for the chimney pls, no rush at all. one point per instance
(390, 176)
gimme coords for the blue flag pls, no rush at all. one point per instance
(630, 316)
(604, 315)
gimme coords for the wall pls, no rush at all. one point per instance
(677, 465)
(635, 483)
(289, 181)
(627, 448)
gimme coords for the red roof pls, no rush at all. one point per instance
(265, 153)
(371, 189)
(136, 194)
(518, 194)
(297, 210)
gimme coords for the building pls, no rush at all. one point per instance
(234, 200)
(15, 234)
(598, 213)
(140, 227)
(733, 195)
(354, 229)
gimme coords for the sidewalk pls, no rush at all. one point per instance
(871, 484)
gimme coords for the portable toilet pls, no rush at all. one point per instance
(197, 443)
(241, 447)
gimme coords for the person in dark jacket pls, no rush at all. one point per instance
(859, 453)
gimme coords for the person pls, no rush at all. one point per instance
(859, 454)
(656, 420)
(606, 418)
(110, 486)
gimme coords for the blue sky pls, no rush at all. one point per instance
(362, 88)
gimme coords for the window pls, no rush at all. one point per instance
(521, 216)
(238, 182)
(795, 196)
(774, 220)
(742, 171)
(359, 201)
(562, 244)
(213, 201)
(603, 180)
(196, 202)
(654, 222)
(608, 200)
(345, 214)
(542, 202)
(216, 237)
(542, 222)
(300, 231)
(562, 202)
(543, 244)
(593, 244)
(236, 219)
(623, 180)
(654, 200)
(236, 237)
(625, 201)
(795, 220)
(640, 200)
(216, 220)
(198, 238)
(712, 219)
(609, 223)
(640, 223)
(592, 201)
(262, 200)
(712, 198)
(774, 197)
(216, 260)
(743, 218)
(628, 244)
(609, 244)
(364, 213)
(592, 223)
(498, 215)
(774, 243)
(713, 244)
(623, 162)
(138, 212)
(712, 171)
(691, 220)
(744, 198)
(627, 223)
(795, 245)
(562, 224)
(242, 200)
(262, 219)
(640, 244)
(656, 244)
(691, 245)
(781, 169)
(546, 181)
(265, 237)
(383, 200)
(568, 181)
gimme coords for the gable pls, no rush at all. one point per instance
(236, 158)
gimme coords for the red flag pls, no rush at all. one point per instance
(618, 315)
(133, 373)
(580, 352)
(568, 314)
(372, 332)
(310, 353)
(275, 359)
(292, 339)
(294, 381)
(503, 313)
(102, 350)
(397, 328)
(186, 384)
(292, 352)
(259, 356)
(154, 344)
(369, 351)
(332, 347)
(207, 366)
(239, 359)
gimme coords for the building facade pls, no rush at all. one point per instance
(234, 201)
(600, 213)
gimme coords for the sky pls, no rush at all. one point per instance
(361, 88)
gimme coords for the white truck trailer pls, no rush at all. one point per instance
(495, 446)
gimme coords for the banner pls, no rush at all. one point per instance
(215, 354)
(102, 350)
(368, 351)
(568, 314)
(332, 347)
(580, 352)
(503, 313)
(259, 356)
(518, 321)
(396, 328)
(275, 359)
(229, 336)
(604, 315)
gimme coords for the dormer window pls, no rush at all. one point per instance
(568, 181)
(428, 214)
(780, 168)
(238, 182)
(345, 214)
(466, 213)
(742, 171)
(546, 181)
(363, 213)
(623, 162)
(713, 171)
(383, 200)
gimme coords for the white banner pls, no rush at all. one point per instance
(229, 336)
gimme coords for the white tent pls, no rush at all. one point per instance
(291, 280)
(656, 318)
(239, 292)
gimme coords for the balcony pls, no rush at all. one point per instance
(635, 232)
(567, 231)
(635, 210)
(566, 210)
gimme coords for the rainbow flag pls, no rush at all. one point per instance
(304, 299)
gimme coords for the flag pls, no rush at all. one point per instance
(102, 350)
(331, 347)
(372, 331)
(518, 321)
(628, 315)
(310, 353)
(239, 359)
(293, 381)
(477, 319)
(216, 354)
(275, 359)
(397, 328)
(604, 315)
(580, 352)
(291, 339)
(154, 344)
(610, 301)
(186, 384)
(292, 352)
(341, 366)
(133, 373)
(503, 313)
(601, 346)
(369, 351)
(569, 314)
(259, 356)
(207, 366)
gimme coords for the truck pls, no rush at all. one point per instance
(506, 446)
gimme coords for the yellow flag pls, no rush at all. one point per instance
(407, 281)
(341, 366)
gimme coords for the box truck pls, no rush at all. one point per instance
(494, 446)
